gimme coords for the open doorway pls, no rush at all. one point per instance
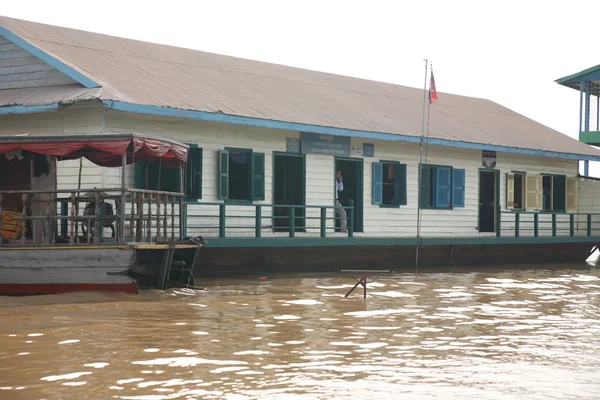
(352, 173)
(289, 188)
(488, 200)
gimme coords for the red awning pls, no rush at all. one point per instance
(106, 153)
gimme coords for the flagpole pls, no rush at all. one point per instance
(421, 156)
(428, 110)
(420, 172)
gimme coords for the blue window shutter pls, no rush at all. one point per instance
(377, 183)
(223, 174)
(442, 187)
(400, 184)
(258, 176)
(458, 188)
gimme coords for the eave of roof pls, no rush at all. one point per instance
(325, 130)
(7, 110)
(573, 80)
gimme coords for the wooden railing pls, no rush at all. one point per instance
(132, 215)
(529, 223)
(252, 220)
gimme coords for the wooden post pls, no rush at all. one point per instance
(24, 214)
(181, 217)
(498, 223)
(139, 230)
(165, 215)
(222, 220)
(536, 225)
(589, 224)
(517, 223)
(172, 218)
(132, 217)
(323, 222)
(76, 214)
(292, 222)
(149, 230)
(64, 223)
(182, 220)
(351, 219)
(572, 224)
(158, 218)
(72, 221)
(96, 215)
(258, 222)
(49, 228)
(123, 202)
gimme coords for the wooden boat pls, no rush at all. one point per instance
(56, 240)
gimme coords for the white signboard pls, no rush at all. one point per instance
(356, 150)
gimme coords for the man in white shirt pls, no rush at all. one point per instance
(340, 212)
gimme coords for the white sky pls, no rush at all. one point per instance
(508, 51)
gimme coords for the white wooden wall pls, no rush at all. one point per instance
(77, 119)
(589, 202)
(19, 69)
(378, 221)
(212, 137)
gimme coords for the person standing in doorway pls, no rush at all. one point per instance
(340, 212)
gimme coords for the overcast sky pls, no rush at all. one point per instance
(506, 51)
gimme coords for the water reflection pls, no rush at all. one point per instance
(489, 335)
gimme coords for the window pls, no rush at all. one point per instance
(554, 194)
(241, 175)
(389, 183)
(550, 192)
(153, 175)
(442, 187)
(515, 191)
(193, 174)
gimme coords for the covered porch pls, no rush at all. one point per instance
(587, 83)
(35, 212)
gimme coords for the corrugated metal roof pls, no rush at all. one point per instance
(152, 74)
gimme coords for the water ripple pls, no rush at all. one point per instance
(501, 335)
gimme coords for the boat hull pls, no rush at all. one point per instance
(51, 270)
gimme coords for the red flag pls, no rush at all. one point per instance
(432, 90)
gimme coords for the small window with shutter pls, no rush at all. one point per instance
(555, 193)
(441, 187)
(241, 175)
(389, 183)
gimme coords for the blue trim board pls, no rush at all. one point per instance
(47, 58)
(27, 109)
(325, 130)
(368, 242)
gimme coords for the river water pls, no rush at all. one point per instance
(514, 333)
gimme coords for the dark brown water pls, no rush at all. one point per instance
(503, 334)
